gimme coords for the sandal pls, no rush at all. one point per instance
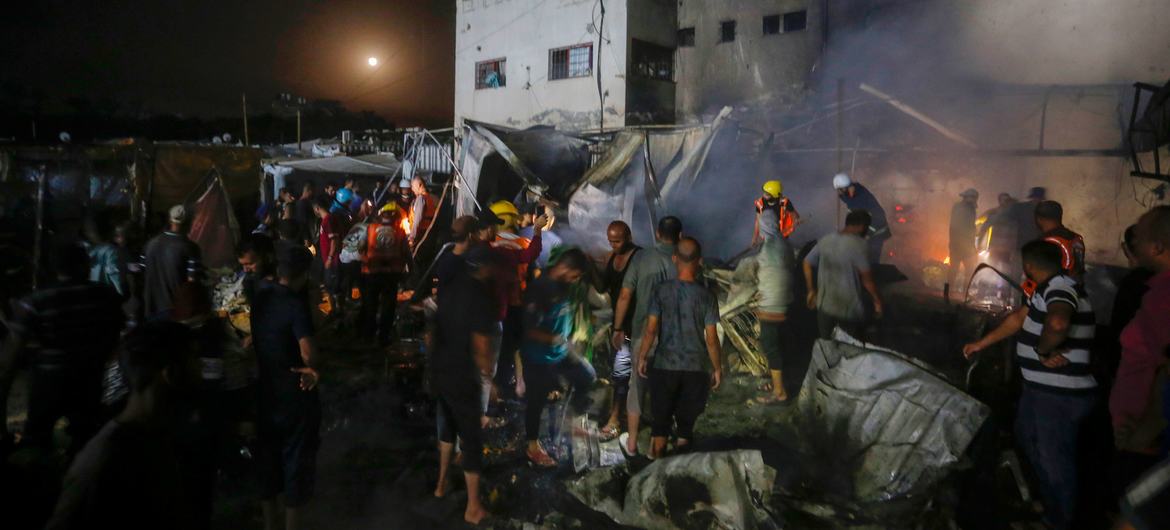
(770, 399)
(623, 441)
(609, 432)
(540, 458)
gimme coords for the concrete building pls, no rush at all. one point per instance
(735, 51)
(538, 62)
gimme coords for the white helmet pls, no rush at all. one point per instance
(841, 181)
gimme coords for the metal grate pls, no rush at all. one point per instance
(491, 74)
(571, 61)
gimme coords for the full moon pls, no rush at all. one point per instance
(372, 61)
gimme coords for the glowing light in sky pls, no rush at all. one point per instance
(372, 61)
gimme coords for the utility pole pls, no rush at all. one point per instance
(298, 128)
(600, 93)
(244, 97)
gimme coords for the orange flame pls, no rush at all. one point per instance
(947, 260)
(405, 224)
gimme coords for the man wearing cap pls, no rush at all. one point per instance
(289, 407)
(857, 197)
(171, 259)
(1024, 213)
(962, 236)
(383, 264)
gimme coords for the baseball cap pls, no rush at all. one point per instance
(969, 192)
(177, 213)
(488, 218)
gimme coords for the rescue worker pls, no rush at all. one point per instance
(962, 234)
(774, 199)
(422, 211)
(1049, 217)
(384, 262)
(517, 252)
(858, 197)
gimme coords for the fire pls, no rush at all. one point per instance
(947, 260)
(405, 224)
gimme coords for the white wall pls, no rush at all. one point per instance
(523, 32)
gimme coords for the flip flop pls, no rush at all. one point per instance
(541, 459)
(623, 440)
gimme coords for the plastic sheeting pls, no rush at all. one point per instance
(360, 165)
(180, 167)
(213, 225)
(893, 428)
(699, 490)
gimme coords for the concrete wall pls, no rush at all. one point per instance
(523, 32)
(713, 74)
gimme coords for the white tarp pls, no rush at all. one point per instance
(381, 164)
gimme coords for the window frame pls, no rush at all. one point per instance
(685, 43)
(785, 18)
(501, 69)
(568, 65)
(778, 19)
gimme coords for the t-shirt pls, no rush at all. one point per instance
(646, 269)
(280, 318)
(684, 310)
(170, 258)
(1077, 375)
(466, 306)
(547, 308)
(127, 476)
(863, 199)
(839, 259)
(774, 275)
(77, 326)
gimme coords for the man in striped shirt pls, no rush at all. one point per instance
(1055, 331)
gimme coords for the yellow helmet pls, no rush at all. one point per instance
(502, 208)
(773, 188)
(390, 207)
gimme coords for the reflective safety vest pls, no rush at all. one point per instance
(784, 211)
(430, 207)
(517, 286)
(1072, 256)
(386, 249)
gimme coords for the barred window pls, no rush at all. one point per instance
(570, 61)
(490, 74)
(651, 61)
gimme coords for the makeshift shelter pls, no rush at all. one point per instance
(367, 169)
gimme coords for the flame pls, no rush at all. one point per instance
(947, 260)
(405, 224)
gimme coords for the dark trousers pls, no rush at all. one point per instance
(677, 397)
(1048, 427)
(826, 323)
(288, 452)
(511, 333)
(379, 305)
(774, 337)
(540, 379)
(457, 415)
(349, 276)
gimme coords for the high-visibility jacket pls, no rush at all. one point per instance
(1072, 255)
(430, 207)
(517, 283)
(386, 248)
(785, 212)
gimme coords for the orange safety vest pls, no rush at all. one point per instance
(430, 207)
(784, 211)
(385, 248)
(1072, 257)
(517, 287)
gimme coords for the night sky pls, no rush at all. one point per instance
(195, 58)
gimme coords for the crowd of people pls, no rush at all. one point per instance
(152, 378)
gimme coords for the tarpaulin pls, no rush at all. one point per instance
(213, 225)
(178, 168)
(887, 425)
(474, 148)
(381, 164)
(550, 161)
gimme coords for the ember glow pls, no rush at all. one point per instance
(405, 224)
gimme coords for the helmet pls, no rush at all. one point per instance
(841, 181)
(502, 208)
(344, 195)
(390, 207)
(773, 188)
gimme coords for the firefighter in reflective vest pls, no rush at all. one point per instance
(384, 263)
(775, 200)
(1050, 220)
(518, 252)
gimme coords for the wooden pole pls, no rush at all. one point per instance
(244, 98)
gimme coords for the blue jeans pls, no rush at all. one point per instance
(1048, 426)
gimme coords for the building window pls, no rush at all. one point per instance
(727, 31)
(651, 61)
(771, 24)
(571, 61)
(686, 38)
(795, 21)
(491, 74)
